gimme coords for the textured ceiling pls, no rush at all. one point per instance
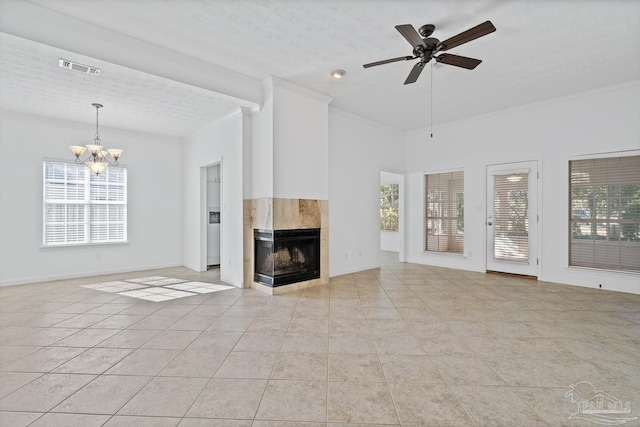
(33, 83)
(542, 49)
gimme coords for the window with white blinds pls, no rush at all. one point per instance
(81, 207)
(604, 218)
(444, 212)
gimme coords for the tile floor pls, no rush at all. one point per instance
(400, 345)
(157, 288)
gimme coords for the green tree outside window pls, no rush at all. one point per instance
(389, 207)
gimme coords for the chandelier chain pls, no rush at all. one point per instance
(97, 115)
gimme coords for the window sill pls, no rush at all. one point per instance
(75, 245)
(592, 270)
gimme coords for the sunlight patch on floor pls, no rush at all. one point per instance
(157, 288)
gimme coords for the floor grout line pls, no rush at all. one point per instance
(464, 303)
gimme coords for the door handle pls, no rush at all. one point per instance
(489, 223)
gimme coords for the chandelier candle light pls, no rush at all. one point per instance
(97, 161)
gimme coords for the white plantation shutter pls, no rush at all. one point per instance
(108, 206)
(604, 218)
(444, 212)
(81, 207)
(64, 203)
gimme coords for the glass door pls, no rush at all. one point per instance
(512, 218)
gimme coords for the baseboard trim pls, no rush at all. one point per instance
(355, 270)
(40, 279)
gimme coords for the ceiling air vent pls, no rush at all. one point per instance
(65, 63)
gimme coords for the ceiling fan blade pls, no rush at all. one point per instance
(458, 61)
(415, 73)
(466, 36)
(387, 61)
(410, 33)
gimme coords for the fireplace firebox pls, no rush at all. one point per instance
(283, 257)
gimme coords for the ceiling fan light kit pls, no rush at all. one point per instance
(426, 48)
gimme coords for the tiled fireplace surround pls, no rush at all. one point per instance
(285, 214)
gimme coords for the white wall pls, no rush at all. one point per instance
(289, 140)
(154, 198)
(219, 141)
(300, 142)
(552, 133)
(359, 150)
(260, 164)
(389, 241)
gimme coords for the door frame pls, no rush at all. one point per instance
(401, 224)
(539, 206)
(204, 214)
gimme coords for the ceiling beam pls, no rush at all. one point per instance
(39, 24)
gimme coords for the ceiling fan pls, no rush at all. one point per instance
(425, 47)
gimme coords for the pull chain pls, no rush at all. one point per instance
(431, 99)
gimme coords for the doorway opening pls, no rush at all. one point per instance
(213, 217)
(391, 213)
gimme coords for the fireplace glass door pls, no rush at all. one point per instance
(286, 256)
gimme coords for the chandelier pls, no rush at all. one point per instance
(98, 159)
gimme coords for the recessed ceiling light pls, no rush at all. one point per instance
(337, 74)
